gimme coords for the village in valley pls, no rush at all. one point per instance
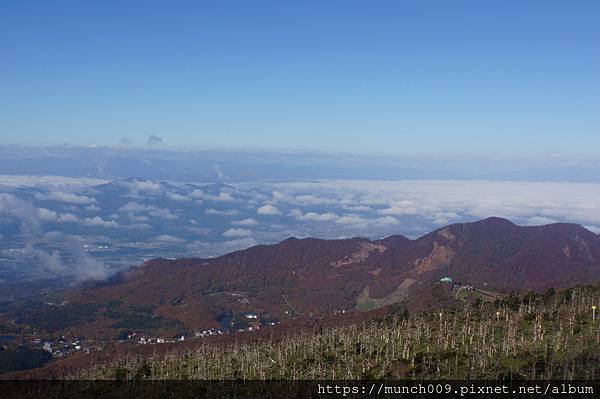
(249, 322)
(64, 346)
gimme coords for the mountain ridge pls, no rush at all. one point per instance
(312, 276)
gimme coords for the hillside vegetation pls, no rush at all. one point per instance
(314, 277)
(549, 335)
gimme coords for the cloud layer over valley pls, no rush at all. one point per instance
(83, 229)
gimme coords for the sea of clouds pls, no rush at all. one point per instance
(49, 223)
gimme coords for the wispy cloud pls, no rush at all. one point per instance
(35, 260)
(169, 239)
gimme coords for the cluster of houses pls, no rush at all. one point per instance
(208, 333)
(253, 320)
(63, 347)
(255, 327)
(153, 341)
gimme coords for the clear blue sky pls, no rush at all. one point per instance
(389, 77)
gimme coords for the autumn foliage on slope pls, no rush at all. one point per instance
(536, 336)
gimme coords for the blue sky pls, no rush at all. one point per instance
(386, 77)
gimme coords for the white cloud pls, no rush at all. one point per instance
(359, 222)
(349, 220)
(404, 207)
(68, 218)
(245, 222)
(140, 188)
(87, 268)
(162, 213)
(539, 221)
(296, 213)
(385, 221)
(48, 181)
(357, 208)
(138, 226)
(311, 200)
(143, 185)
(136, 207)
(222, 197)
(137, 218)
(227, 212)
(436, 202)
(444, 218)
(240, 243)
(268, 210)
(278, 196)
(65, 197)
(352, 219)
(318, 217)
(593, 229)
(98, 221)
(177, 197)
(237, 233)
(47, 215)
(133, 207)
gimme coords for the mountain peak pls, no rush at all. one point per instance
(494, 220)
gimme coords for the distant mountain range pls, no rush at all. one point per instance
(313, 278)
(121, 162)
